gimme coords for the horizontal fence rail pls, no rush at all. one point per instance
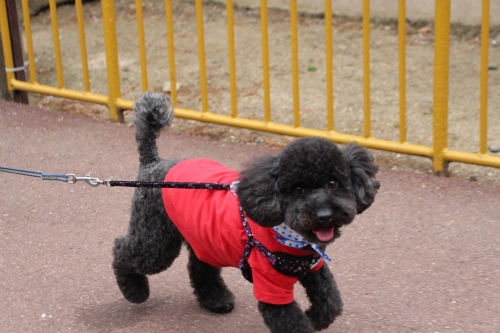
(439, 150)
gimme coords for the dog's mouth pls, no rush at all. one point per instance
(324, 234)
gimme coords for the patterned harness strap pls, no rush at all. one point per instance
(252, 242)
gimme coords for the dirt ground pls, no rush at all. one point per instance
(348, 75)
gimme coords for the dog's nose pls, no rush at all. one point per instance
(324, 215)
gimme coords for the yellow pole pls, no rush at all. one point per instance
(479, 159)
(201, 56)
(142, 44)
(441, 67)
(483, 108)
(231, 56)
(295, 62)
(330, 125)
(265, 61)
(112, 65)
(83, 45)
(171, 51)
(29, 41)
(61, 92)
(402, 70)
(366, 67)
(57, 44)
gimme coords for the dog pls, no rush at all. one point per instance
(274, 222)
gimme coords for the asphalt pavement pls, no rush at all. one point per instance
(424, 258)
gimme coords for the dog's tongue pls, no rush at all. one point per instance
(324, 234)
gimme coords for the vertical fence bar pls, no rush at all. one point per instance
(57, 43)
(171, 51)
(231, 56)
(483, 107)
(265, 61)
(83, 45)
(330, 125)
(295, 62)
(20, 96)
(366, 67)
(201, 56)
(441, 68)
(112, 64)
(402, 70)
(142, 45)
(29, 41)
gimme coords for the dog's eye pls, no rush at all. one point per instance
(332, 185)
(298, 190)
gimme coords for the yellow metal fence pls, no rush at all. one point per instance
(438, 151)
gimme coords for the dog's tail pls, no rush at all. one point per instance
(151, 113)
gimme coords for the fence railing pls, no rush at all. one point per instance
(439, 150)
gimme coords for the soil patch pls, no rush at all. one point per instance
(348, 75)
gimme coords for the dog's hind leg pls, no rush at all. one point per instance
(151, 247)
(209, 287)
(134, 286)
(131, 264)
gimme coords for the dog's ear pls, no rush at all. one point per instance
(363, 172)
(259, 193)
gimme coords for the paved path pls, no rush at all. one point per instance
(424, 258)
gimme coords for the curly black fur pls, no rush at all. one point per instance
(326, 306)
(268, 189)
(312, 185)
(285, 318)
(259, 192)
(208, 285)
(151, 114)
(324, 296)
(363, 172)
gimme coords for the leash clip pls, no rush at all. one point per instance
(92, 181)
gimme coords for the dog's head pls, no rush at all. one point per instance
(312, 185)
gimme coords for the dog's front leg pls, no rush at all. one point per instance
(322, 291)
(287, 318)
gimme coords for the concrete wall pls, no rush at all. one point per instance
(36, 5)
(462, 11)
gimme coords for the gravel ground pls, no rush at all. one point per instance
(464, 75)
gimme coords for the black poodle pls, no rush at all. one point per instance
(273, 221)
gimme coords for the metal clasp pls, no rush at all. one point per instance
(92, 181)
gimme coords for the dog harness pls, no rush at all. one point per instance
(287, 264)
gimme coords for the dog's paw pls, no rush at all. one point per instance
(219, 307)
(321, 318)
(134, 287)
(222, 303)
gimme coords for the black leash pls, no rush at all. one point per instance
(188, 185)
(94, 182)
